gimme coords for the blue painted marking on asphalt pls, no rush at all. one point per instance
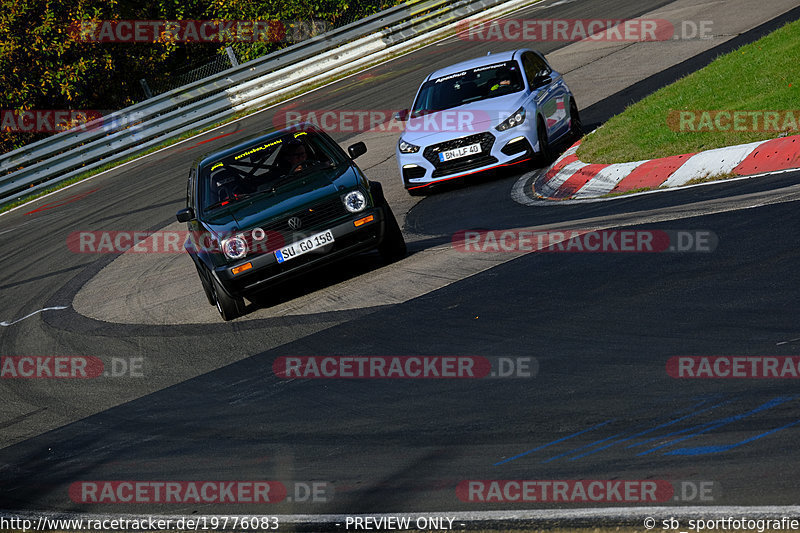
(686, 433)
(666, 424)
(676, 432)
(710, 398)
(708, 426)
(705, 400)
(543, 446)
(582, 448)
(681, 432)
(705, 450)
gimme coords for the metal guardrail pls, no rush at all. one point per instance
(213, 99)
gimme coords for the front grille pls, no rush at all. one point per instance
(486, 140)
(317, 217)
(353, 241)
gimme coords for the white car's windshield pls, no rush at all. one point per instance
(471, 85)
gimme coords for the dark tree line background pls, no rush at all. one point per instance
(43, 67)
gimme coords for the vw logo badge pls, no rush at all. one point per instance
(295, 223)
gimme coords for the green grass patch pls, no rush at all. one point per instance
(622, 193)
(761, 76)
(712, 177)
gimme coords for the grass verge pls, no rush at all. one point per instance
(712, 177)
(622, 193)
(758, 77)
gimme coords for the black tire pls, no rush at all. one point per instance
(207, 288)
(229, 307)
(575, 124)
(544, 155)
(393, 246)
(376, 189)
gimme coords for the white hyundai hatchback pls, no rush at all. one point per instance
(495, 111)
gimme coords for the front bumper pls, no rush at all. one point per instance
(498, 149)
(266, 271)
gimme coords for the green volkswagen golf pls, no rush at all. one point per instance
(277, 206)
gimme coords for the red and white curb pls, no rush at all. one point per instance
(570, 178)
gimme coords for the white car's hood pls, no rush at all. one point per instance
(460, 121)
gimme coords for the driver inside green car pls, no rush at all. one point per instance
(293, 157)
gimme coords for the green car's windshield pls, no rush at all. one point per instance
(265, 166)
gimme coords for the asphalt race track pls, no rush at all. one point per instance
(198, 399)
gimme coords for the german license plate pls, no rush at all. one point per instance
(304, 246)
(463, 151)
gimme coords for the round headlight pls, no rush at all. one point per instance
(354, 201)
(234, 248)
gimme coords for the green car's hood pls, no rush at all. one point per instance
(288, 198)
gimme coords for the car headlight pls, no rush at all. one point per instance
(354, 201)
(408, 148)
(234, 247)
(516, 118)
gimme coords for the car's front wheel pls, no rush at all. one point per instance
(207, 287)
(544, 145)
(229, 307)
(575, 124)
(393, 246)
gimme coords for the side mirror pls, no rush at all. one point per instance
(356, 149)
(541, 81)
(401, 115)
(185, 215)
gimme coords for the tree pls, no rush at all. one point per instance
(44, 65)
